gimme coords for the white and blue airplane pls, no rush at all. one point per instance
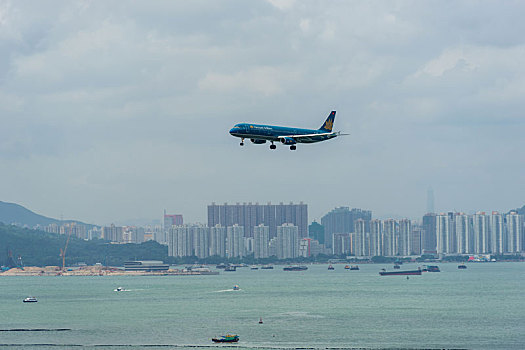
(259, 134)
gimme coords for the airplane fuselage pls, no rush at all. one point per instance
(276, 133)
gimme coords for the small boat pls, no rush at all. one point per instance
(119, 289)
(254, 267)
(354, 267)
(236, 287)
(295, 268)
(267, 267)
(260, 320)
(347, 267)
(462, 266)
(221, 266)
(330, 267)
(397, 267)
(228, 338)
(230, 268)
(30, 300)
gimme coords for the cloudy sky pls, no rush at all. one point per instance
(116, 110)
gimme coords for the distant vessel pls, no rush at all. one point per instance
(30, 300)
(254, 267)
(347, 267)
(221, 266)
(260, 320)
(354, 267)
(119, 289)
(295, 268)
(267, 267)
(230, 268)
(228, 338)
(330, 267)
(462, 266)
(236, 287)
(431, 268)
(400, 273)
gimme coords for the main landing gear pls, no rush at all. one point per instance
(272, 146)
(242, 142)
(293, 147)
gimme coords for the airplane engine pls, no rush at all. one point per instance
(288, 141)
(258, 141)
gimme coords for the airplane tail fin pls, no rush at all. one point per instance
(329, 123)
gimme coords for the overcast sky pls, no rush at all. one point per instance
(117, 110)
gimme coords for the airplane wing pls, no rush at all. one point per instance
(306, 138)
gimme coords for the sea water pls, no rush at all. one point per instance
(482, 307)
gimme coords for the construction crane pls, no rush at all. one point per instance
(63, 252)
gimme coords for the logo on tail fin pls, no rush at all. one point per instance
(329, 123)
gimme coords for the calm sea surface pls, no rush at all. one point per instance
(482, 307)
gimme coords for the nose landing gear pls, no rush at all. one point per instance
(242, 142)
(272, 146)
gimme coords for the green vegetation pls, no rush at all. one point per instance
(38, 248)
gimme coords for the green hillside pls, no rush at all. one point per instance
(38, 248)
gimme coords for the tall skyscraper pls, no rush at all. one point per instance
(480, 232)
(404, 240)
(376, 237)
(496, 233)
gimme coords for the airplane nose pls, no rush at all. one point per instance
(233, 130)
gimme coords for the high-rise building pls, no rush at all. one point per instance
(342, 244)
(514, 231)
(429, 230)
(201, 241)
(341, 220)
(218, 241)
(251, 215)
(172, 220)
(404, 244)
(362, 238)
(390, 237)
(480, 232)
(464, 239)
(287, 241)
(235, 241)
(112, 233)
(376, 237)
(261, 238)
(416, 240)
(496, 233)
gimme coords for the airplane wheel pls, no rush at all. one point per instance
(273, 146)
(293, 148)
(242, 143)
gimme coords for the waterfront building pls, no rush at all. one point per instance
(442, 233)
(416, 237)
(341, 220)
(261, 237)
(376, 237)
(362, 238)
(180, 241)
(480, 232)
(404, 244)
(218, 241)
(429, 229)
(514, 231)
(200, 240)
(496, 233)
(235, 241)
(146, 266)
(390, 237)
(287, 241)
(463, 232)
(251, 215)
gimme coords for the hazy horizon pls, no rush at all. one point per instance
(119, 110)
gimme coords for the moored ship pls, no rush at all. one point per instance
(295, 268)
(400, 273)
(228, 338)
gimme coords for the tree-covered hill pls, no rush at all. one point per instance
(38, 248)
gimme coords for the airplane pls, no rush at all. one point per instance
(259, 134)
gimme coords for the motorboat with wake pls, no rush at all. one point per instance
(30, 300)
